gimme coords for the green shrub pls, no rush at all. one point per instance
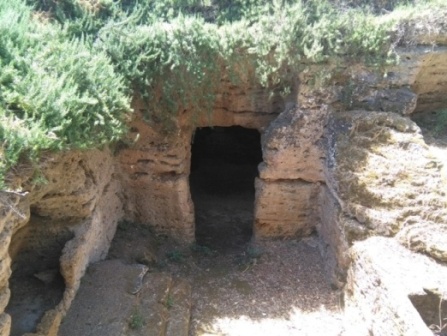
(56, 92)
(173, 65)
(177, 61)
(68, 68)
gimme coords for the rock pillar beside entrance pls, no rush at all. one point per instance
(155, 174)
(290, 175)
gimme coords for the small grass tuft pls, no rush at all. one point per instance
(254, 252)
(175, 256)
(169, 301)
(204, 250)
(249, 258)
(136, 321)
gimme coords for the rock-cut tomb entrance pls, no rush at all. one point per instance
(224, 165)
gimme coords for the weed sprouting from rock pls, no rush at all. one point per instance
(169, 301)
(136, 321)
(204, 250)
(176, 256)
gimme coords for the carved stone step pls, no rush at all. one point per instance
(116, 299)
(104, 301)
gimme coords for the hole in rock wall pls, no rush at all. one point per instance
(36, 283)
(223, 169)
(433, 311)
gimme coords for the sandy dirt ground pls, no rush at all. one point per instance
(271, 288)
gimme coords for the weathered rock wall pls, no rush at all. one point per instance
(155, 167)
(81, 191)
(154, 176)
(14, 210)
(288, 184)
(383, 283)
(382, 180)
(430, 82)
(333, 227)
(387, 148)
(383, 173)
(426, 76)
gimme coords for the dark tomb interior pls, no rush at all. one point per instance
(224, 165)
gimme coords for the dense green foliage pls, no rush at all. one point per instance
(68, 68)
(55, 91)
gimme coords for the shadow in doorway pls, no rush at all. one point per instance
(223, 168)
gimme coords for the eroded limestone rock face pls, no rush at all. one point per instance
(288, 184)
(14, 213)
(155, 172)
(155, 165)
(292, 148)
(334, 228)
(73, 184)
(381, 180)
(80, 191)
(423, 70)
(392, 291)
(285, 208)
(383, 173)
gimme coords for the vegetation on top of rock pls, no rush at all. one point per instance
(56, 91)
(68, 68)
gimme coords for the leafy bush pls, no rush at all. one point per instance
(177, 61)
(172, 65)
(68, 68)
(55, 92)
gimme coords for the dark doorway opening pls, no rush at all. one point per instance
(223, 169)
